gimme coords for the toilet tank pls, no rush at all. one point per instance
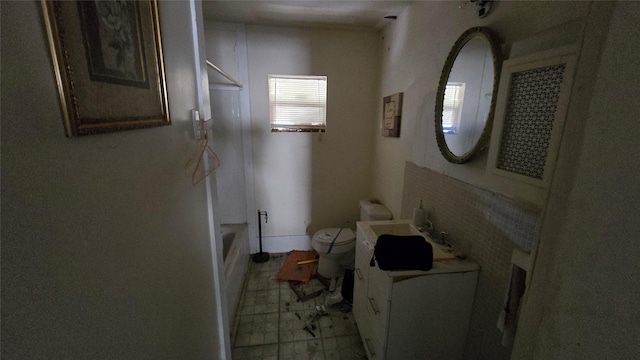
(372, 210)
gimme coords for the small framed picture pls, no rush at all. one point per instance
(391, 114)
(107, 59)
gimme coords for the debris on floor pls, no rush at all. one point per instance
(344, 306)
(298, 267)
(310, 321)
(334, 298)
(272, 322)
(299, 270)
(304, 292)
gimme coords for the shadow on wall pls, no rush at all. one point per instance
(341, 157)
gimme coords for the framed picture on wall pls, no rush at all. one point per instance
(391, 115)
(108, 64)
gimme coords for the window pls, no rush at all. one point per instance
(452, 107)
(297, 103)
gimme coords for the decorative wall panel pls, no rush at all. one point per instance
(532, 105)
(529, 120)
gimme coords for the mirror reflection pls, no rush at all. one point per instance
(466, 96)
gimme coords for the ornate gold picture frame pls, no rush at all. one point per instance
(107, 59)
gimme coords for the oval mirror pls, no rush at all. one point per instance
(466, 95)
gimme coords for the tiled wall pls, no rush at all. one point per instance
(485, 226)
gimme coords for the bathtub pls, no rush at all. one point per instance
(228, 235)
(235, 254)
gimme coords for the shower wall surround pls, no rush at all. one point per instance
(486, 227)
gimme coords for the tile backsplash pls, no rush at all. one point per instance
(486, 227)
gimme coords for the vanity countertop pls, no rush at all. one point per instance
(444, 260)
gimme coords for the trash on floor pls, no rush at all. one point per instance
(333, 298)
(345, 306)
(302, 293)
(300, 272)
(322, 310)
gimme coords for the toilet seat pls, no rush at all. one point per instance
(327, 235)
(323, 239)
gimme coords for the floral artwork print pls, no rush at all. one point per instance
(113, 41)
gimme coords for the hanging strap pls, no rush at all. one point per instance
(334, 241)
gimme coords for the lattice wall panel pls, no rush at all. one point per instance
(530, 113)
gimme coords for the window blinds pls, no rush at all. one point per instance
(452, 107)
(297, 103)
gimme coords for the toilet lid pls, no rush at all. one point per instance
(375, 210)
(327, 236)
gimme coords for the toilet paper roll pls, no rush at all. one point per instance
(419, 216)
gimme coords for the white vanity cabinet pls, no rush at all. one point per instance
(412, 314)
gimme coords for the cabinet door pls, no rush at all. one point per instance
(378, 303)
(361, 311)
(374, 348)
(361, 283)
(430, 315)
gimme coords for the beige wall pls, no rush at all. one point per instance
(415, 48)
(309, 181)
(105, 243)
(584, 297)
(582, 302)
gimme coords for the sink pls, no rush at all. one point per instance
(401, 229)
(373, 229)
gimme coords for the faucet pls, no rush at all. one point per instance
(442, 239)
(428, 226)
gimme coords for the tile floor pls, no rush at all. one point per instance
(270, 322)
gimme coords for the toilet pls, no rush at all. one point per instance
(336, 246)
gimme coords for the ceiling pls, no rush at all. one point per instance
(362, 15)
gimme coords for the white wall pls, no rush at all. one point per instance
(225, 46)
(584, 297)
(105, 244)
(307, 181)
